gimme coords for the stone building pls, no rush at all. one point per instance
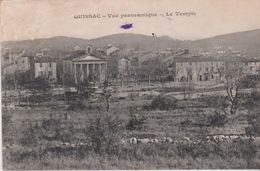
(198, 69)
(84, 67)
(124, 67)
(46, 67)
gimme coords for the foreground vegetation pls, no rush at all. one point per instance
(30, 136)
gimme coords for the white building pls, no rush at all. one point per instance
(124, 66)
(85, 68)
(46, 67)
(252, 66)
(198, 69)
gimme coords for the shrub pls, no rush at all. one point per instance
(251, 104)
(6, 120)
(6, 123)
(39, 83)
(28, 136)
(163, 102)
(50, 129)
(104, 133)
(136, 121)
(217, 120)
(217, 102)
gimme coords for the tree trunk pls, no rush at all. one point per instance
(19, 98)
(149, 80)
(107, 104)
(5, 100)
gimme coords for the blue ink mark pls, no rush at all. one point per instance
(126, 26)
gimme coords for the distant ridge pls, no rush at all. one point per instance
(248, 41)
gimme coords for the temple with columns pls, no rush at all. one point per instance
(85, 67)
(89, 68)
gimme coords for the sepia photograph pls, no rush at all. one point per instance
(130, 84)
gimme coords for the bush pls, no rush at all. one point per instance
(104, 133)
(217, 102)
(163, 102)
(136, 121)
(217, 120)
(253, 117)
(50, 129)
(39, 83)
(28, 136)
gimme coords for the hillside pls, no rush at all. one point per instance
(247, 41)
(55, 43)
(136, 41)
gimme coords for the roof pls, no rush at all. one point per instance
(87, 58)
(206, 59)
(126, 58)
(46, 59)
(195, 59)
(112, 50)
(147, 56)
(8, 65)
(252, 60)
(74, 54)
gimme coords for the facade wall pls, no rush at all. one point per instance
(90, 71)
(46, 69)
(23, 63)
(124, 66)
(10, 69)
(199, 70)
(252, 67)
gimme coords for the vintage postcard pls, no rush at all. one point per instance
(130, 84)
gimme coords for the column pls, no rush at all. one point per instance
(100, 74)
(87, 65)
(75, 73)
(81, 72)
(106, 74)
(93, 71)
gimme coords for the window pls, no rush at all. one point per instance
(40, 65)
(200, 77)
(49, 64)
(212, 76)
(49, 74)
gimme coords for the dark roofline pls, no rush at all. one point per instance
(207, 59)
(75, 54)
(45, 59)
(101, 58)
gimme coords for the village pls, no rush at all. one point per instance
(120, 68)
(179, 98)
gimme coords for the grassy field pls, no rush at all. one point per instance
(29, 136)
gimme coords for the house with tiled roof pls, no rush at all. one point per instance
(46, 67)
(201, 68)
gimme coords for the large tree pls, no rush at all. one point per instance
(233, 75)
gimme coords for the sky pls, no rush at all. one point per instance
(31, 19)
